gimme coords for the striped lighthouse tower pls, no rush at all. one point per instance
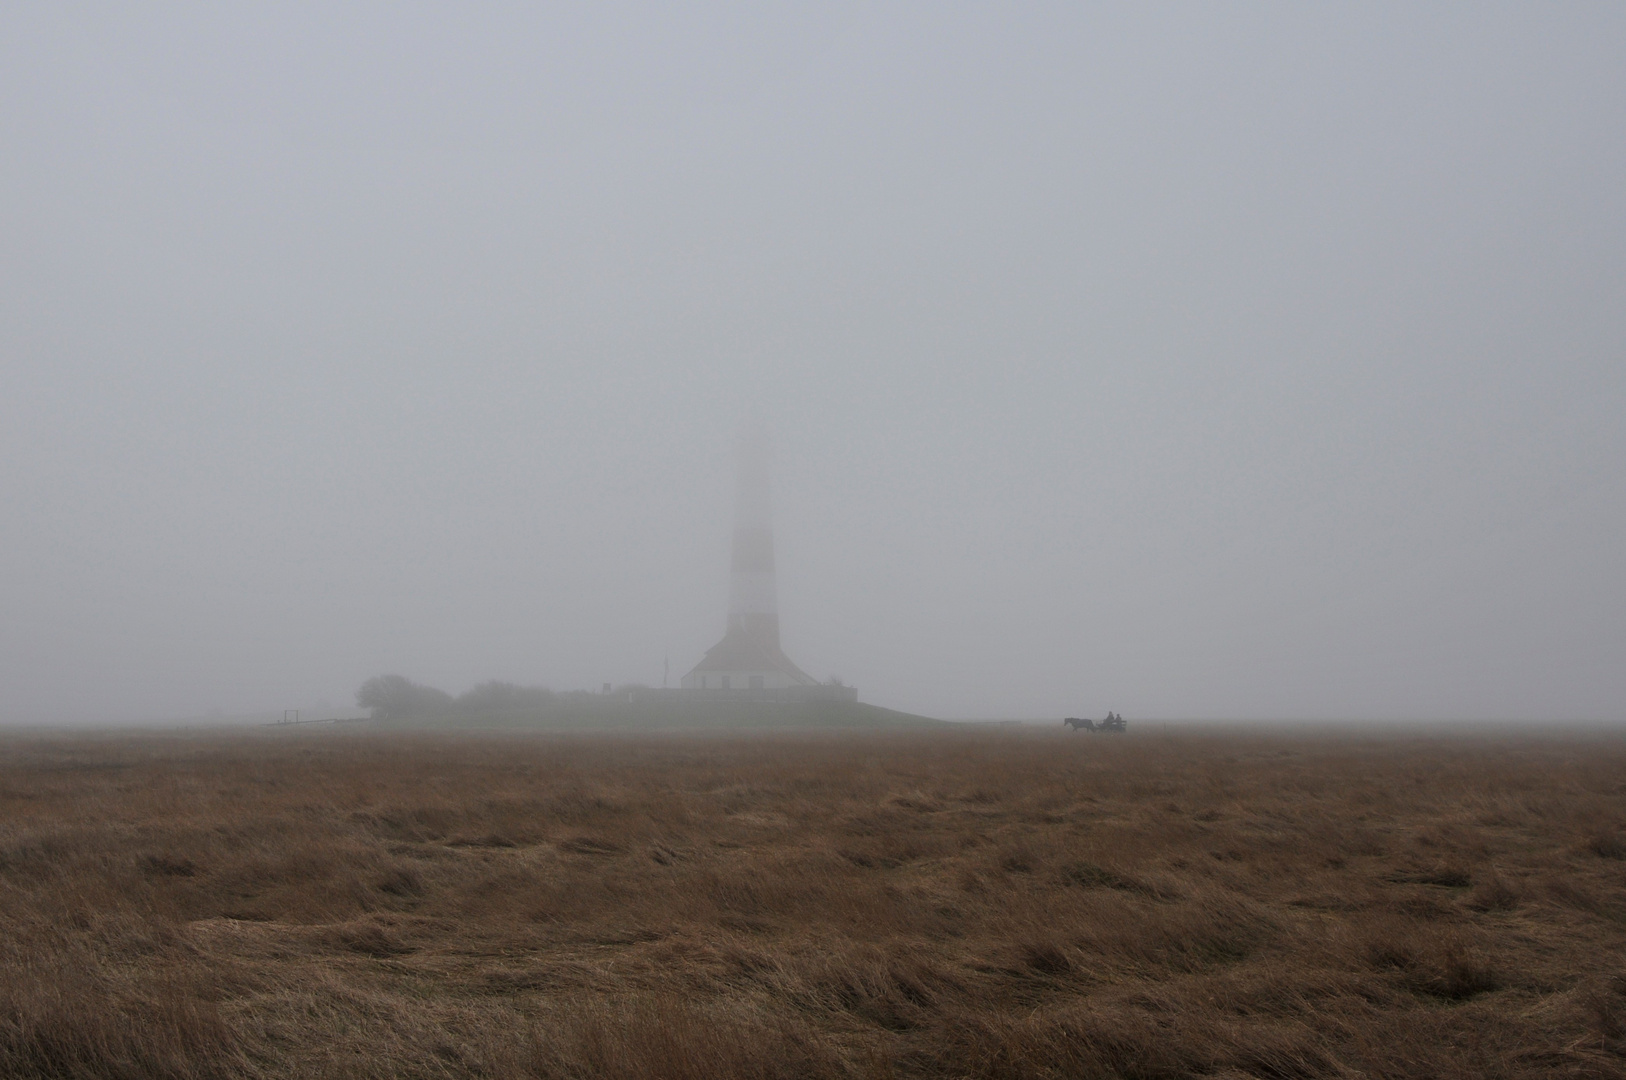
(749, 656)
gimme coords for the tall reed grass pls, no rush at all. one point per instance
(958, 904)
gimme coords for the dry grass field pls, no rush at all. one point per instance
(993, 903)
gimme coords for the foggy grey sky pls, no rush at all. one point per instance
(1190, 361)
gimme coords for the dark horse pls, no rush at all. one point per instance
(1079, 725)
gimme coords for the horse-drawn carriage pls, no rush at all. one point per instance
(1113, 722)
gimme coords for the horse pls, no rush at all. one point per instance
(1079, 725)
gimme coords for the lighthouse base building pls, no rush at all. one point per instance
(751, 666)
(746, 661)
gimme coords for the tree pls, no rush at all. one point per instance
(395, 697)
(502, 697)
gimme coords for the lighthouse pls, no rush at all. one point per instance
(749, 657)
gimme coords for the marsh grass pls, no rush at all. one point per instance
(953, 904)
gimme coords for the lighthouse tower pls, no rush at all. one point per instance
(749, 656)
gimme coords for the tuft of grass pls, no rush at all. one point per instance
(590, 845)
(1090, 876)
(168, 866)
(1607, 845)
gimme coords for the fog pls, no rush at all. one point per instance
(1187, 361)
